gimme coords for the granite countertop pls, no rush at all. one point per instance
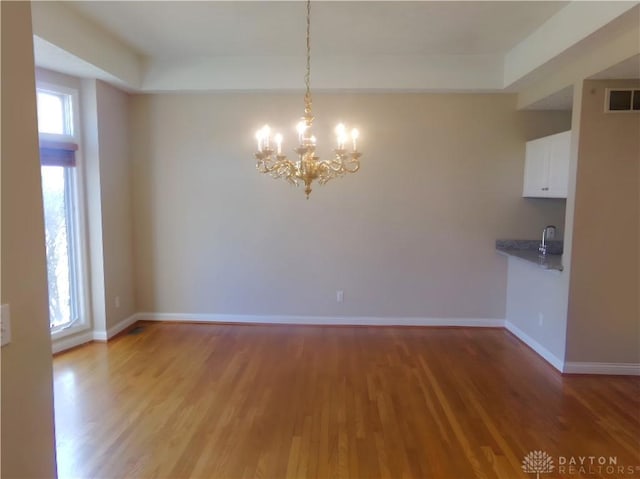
(528, 251)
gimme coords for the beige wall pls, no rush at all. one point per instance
(115, 188)
(27, 398)
(106, 133)
(604, 317)
(411, 235)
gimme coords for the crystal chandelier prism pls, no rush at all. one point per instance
(308, 167)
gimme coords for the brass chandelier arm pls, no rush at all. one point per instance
(308, 168)
(352, 167)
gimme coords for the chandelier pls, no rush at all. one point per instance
(308, 167)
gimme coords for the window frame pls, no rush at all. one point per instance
(76, 219)
(607, 100)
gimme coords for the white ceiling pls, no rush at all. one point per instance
(536, 49)
(269, 28)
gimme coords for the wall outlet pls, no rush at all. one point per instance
(540, 319)
(339, 296)
(117, 301)
(5, 325)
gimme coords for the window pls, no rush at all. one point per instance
(622, 100)
(57, 126)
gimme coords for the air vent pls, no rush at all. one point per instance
(623, 100)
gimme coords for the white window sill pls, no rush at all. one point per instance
(70, 337)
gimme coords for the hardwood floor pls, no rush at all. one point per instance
(249, 401)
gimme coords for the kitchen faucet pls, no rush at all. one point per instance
(548, 232)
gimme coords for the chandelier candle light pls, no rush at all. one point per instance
(308, 167)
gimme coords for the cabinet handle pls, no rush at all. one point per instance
(544, 189)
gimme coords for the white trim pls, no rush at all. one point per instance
(62, 344)
(624, 369)
(607, 105)
(79, 327)
(113, 330)
(71, 342)
(627, 369)
(321, 320)
(535, 345)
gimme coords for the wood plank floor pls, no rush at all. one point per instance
(250, 401)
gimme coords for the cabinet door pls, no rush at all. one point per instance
(559, 153)
(536, 168)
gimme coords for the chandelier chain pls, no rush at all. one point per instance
(307, 77)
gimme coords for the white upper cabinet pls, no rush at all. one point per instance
(536, 168)
(546, 168)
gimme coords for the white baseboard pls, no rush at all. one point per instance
(69, 342)
(628, 369)
(547, 355)
(622, 369)
(113, 330)
(72, 341)
(321, 320)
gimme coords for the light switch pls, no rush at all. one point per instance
(5, 324)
